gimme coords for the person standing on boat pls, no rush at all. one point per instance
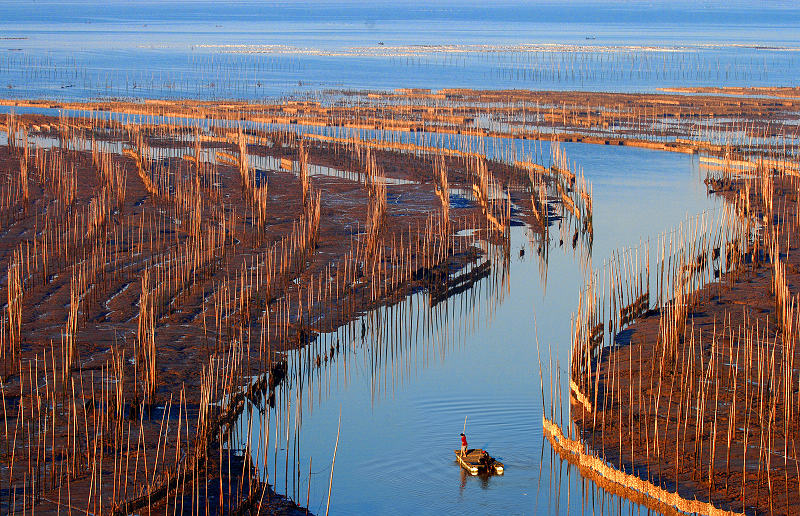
(463, 445)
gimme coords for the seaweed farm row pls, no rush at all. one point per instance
(756, 121)
(161, 279)
(688, 394)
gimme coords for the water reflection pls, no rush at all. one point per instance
(405, 379)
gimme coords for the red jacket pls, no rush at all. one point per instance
(463, 440)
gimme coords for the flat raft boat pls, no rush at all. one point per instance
(475, 462)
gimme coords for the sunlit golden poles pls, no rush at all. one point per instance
(146, 355)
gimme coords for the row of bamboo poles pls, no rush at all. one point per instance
(410, 120)
(715, 407)
(250, 71)
(128, 225)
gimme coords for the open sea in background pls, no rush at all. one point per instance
(264, 49)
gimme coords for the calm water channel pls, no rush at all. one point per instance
(405, 388)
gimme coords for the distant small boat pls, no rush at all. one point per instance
(478, 461)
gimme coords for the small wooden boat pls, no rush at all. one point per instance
(478, 461)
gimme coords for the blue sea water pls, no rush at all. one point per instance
(253, 50)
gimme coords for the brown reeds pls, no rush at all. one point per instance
(302, 160)
(376, 212)
(14, 310)
(443, 191)
(146, 339)
(71, 330)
